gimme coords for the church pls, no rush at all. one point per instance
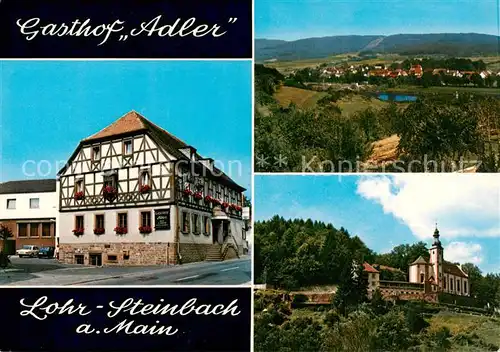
(443, 276)
(425, 276)
(134, 194)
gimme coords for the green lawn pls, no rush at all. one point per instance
(356, 103)
(303, 98)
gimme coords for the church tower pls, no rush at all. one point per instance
(436, 259)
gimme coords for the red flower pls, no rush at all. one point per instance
(198, 195)
(187, 192)
(79, 195)
(98, 231)
(209, 199)
(78, 231)
(238, 208)
(120, 230)
(144, 188)
(109, 193)
(145, 229)
(232, 206)
(215, 201)
(225, 204)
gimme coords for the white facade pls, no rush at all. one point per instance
(46, 201)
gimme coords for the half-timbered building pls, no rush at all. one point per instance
(134, 194)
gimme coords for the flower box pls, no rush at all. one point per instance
(145, 188)
(208, 199)
(198, 196)
(145, 229)
(120, 230)
(78, 231)
(79, 195)
(109, 193)
(215, 201)
(99, 231)
(238, 208)
(224, 205)
(187, 192)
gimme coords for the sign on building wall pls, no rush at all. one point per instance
(162, 219)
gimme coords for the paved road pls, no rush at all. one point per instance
(42, 272)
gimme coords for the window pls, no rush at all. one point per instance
(34, 203)
(34, 230)
(22, 230)
(126, 255)
(96, 153)
(127, 147)
(146, 218)
(46, 229)
(110, 180)
(444, 284)
(185, 222)
(11, 204)
(145, 178)
(79, 186)
(79, 259)
(451, 284)
(421, 277)
(112, 258)
(465, 286)
(79, 222)
(206, 222)
(196, 223)
(122, 220)
(458, 285)
(99, 221)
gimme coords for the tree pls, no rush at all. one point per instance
(5, 234)
(352, 289)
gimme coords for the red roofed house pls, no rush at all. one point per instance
(373, 276)
(417, 70)
(134, 194)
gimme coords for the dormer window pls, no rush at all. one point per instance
(96, 153)
(127, 147)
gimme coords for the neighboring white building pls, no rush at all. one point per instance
(29, 209)
(133, 194)
(443, 276)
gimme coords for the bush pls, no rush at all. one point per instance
(300, 298)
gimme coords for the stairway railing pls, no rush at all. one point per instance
(230, 241)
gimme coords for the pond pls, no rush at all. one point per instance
(399, 98)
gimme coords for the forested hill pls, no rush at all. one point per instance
(295, 254)
(451, 44)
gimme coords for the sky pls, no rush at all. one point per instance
(389, 210)
(295, 19)
(47, 107)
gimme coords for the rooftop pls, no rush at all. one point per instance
(28, 186)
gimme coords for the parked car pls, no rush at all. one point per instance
(46, 252)
(27, 251)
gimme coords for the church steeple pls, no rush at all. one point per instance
(437, 242)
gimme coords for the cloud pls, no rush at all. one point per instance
(463, 252)
(462, 205)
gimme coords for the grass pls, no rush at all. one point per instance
(445, 90)
(303, 98)
(356, 103)
(486, 329)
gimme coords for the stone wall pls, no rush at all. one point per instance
(195, 252)
(123, 254)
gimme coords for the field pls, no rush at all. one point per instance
(307, 99)
(444, 90)
(303, 98)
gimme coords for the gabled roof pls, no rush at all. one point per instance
(28, 186)
(453, 269)
(420, 260)
(368, 268)
(134, 122)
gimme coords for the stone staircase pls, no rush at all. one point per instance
(214, 253)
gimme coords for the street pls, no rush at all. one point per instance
(43, 272)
